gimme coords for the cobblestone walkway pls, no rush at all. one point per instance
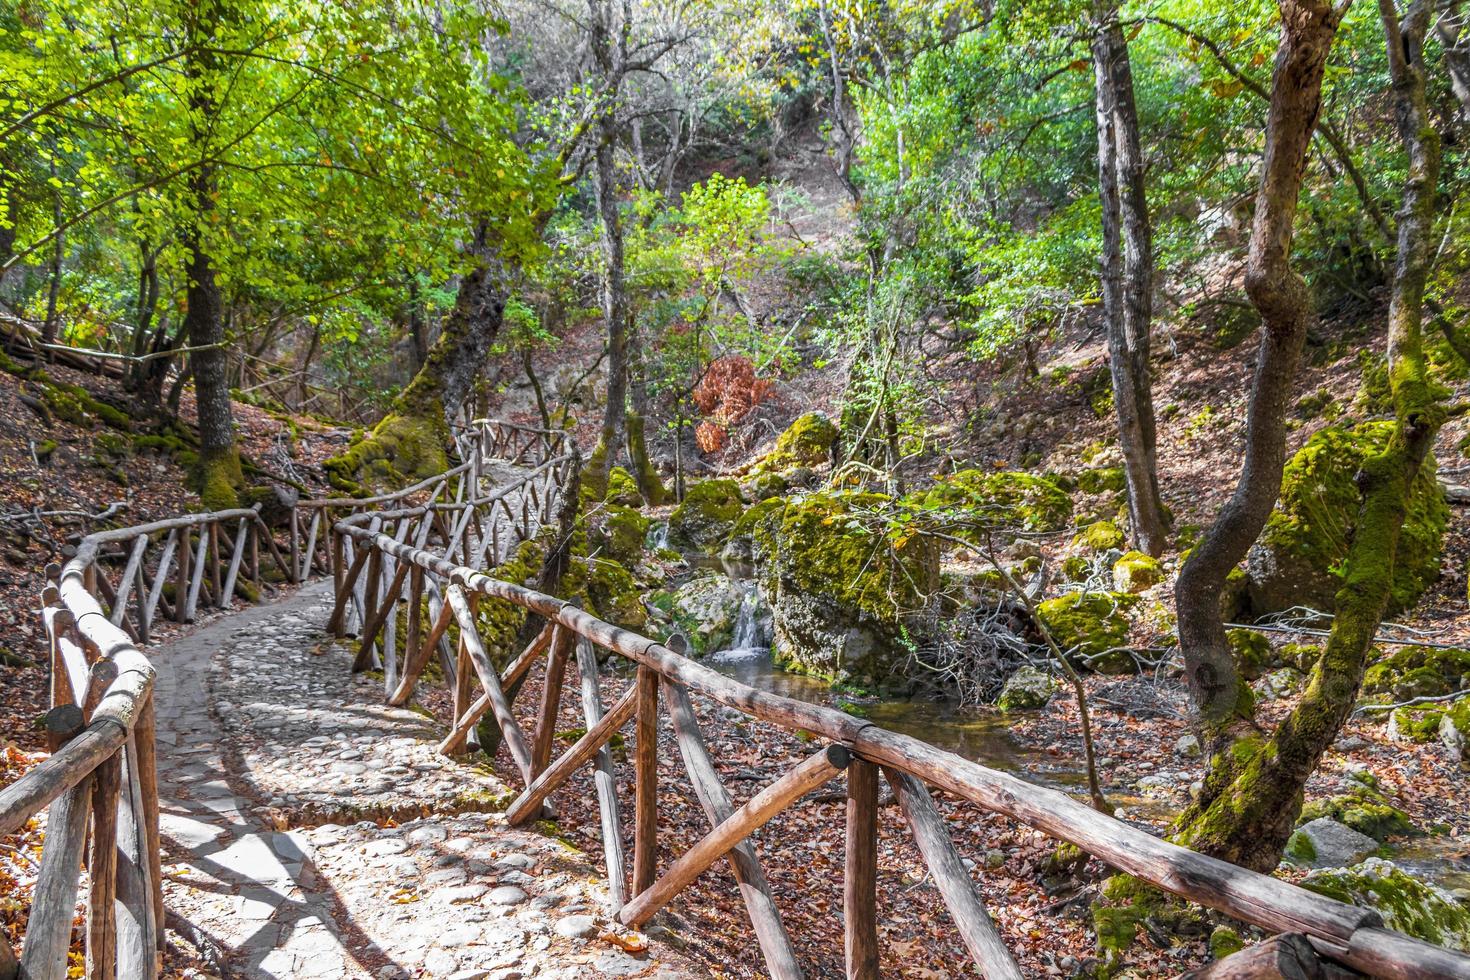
(277, 768)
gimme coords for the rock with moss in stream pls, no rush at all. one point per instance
(617, 533)
(807, 442)
(842, 594)
(997, 500)
(1028, 687)
(1136, 572)
(1099, 536)
(1325, 843)
(706, 516)
(1299, 557)
(1406, 903)
(1092, 629)
(1415, 672)
(622, 489)
(704, 610)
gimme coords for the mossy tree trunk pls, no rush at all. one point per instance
(614, 312)
(1253, 792)
(413, 440)
(645, 475)
(1127, 277)
(1280, 295)
(219, 474)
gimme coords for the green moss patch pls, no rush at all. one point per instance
(1298, 559)
(1099, 536)
(1136, 571)
(1092, 628)
(807, 441)
(1005, 499)
(707, 515)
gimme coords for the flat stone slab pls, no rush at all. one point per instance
(312, 832)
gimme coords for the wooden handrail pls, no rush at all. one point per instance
(1350, 935)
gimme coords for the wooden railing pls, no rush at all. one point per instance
(1334, 931)
(99, 786)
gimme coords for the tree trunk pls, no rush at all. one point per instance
(1252, 801)
(1280, 296)
(413, 441)
(219, 476)
(1127, 277)
(417, 329)
(615, 311)
(53, 293)
(645, 475)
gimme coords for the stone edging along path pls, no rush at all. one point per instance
(277, 768)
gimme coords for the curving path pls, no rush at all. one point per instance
(272, 757)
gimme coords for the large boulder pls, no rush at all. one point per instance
(704, 519)
(1299, 556)
(842, 594)
(1003, 500)
(1406, 904)
(1136, 572)
(1416, 672)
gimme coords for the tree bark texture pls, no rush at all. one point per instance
(1127, 277)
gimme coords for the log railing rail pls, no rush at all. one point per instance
(422, 549)
(99, 787)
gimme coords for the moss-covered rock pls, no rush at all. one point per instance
(1363, 809)
(1136, 572)
(1406, 904)
(1099, 536)
(842, 594)
(1106, 479)
(1299, 556)
(1253, 657)
(1413, 672)
(766, 485)
(1005, 499)
(704, 610)
(617, 533)
(807, 441)
(1415, 723)
(622, 489)
(707, 515)
(1028, 687)
(1091, 628)
(1224, 941)
(614, 595)
(500, 621)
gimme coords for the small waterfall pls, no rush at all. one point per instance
(747, 626)
(660, 538)
(750, 640)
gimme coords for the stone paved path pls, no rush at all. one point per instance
(270, 756)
